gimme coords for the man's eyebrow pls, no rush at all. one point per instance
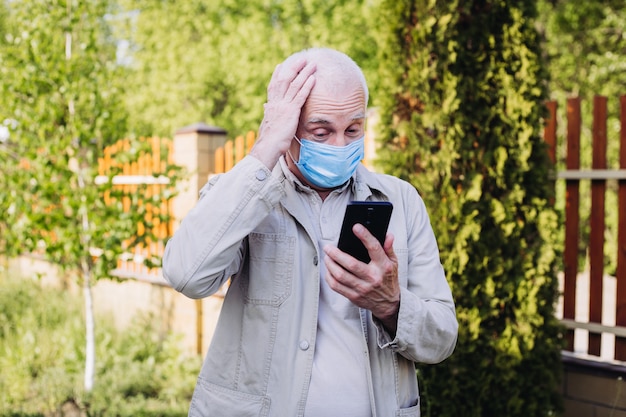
(322, 121)
(317, 121)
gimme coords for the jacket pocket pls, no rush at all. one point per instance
(413, 411)
(270, 263)
(210, 400)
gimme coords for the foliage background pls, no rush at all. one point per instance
(61, 98)
(142, 371)
(211, 61)
(148, 67)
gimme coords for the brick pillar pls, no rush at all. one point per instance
(194, 149)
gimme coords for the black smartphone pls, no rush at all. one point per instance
(374, 215)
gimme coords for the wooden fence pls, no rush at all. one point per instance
(147, 176)
(233, 151)
(599, 175)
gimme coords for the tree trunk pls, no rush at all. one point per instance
(90, 336)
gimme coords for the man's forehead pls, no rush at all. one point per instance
(331, 99)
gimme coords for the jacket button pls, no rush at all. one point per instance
(261, 175)
(315, 260)
(304, 345)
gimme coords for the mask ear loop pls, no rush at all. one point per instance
(289, 151)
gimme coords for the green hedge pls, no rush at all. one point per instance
(463, 123)
(139, 372)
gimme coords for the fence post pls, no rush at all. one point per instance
(194, 149)
(620, 273)
(572, 217)
(597, 224)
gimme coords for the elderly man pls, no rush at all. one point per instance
(306, 329)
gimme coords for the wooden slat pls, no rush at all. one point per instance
(619, 331)
(154, 164)
(228, 156)
(592, 174)
(220, 163)
(250, 139)
(170, 160)
(596, 238)
(139, 168)
(239, 148)
(571, 217)
(105, 166)
(620, 274)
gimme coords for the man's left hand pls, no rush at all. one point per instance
(373, 286)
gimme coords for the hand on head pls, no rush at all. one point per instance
(320, 96)
(287, 92)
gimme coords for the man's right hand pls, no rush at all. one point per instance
(287, 92)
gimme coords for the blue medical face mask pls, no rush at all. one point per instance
(328, 166)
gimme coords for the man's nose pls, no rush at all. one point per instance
(339, 140)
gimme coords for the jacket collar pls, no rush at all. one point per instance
(367, 185)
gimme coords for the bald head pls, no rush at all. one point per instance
(335, 70)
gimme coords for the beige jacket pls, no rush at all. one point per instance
(249, 224)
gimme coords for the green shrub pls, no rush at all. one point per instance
(36, 344)
(139, 372)
(463, 123)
